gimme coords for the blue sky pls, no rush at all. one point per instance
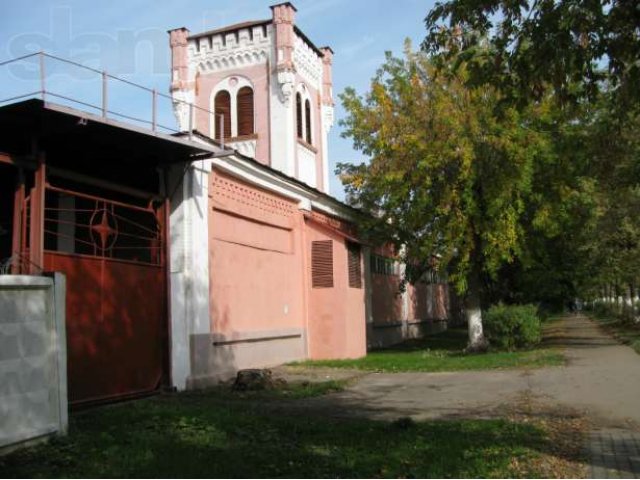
(129, 39)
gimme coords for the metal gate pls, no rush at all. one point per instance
(113, 255)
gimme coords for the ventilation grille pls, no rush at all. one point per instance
(322, 264)
(355, 270)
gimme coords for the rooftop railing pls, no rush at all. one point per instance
(47, 77)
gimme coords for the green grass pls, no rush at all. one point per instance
(292, 390)
(626, 332)
(442, 352)
(202, 435)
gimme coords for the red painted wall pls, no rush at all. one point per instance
(337, 327)
(254, 257)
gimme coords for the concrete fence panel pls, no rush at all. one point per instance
(33, 371)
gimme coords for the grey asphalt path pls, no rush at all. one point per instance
(601, 378)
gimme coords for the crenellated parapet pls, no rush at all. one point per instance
(307, 62)
(231, 49)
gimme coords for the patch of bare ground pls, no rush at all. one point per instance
(563, 455)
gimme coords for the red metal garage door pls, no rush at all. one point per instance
(112, 254)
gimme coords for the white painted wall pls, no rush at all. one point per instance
(33, 358)
(326, 118)
(307, 166)
(282, 127)
(307, 62)
(189, 264)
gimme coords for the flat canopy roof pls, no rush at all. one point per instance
(59, 128)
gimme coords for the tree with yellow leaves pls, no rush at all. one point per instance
(448, 175)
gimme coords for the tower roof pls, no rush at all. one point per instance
(258, 23)
(284, 3)
(232, 28)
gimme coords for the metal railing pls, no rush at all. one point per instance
(41, 63)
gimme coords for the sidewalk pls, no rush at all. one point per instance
(614, 453)
(601, 380)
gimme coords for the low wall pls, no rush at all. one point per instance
(33, 365)
(420, 309)
(387, 334)
(216, 357)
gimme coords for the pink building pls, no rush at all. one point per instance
(263, 88)
(265, 265)
(190, 255)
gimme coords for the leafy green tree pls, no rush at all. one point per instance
(577, 47)
(447, 175)
(614, 249)
(560, 216)
(583, 229)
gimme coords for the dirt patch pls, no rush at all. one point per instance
(292, 373)
(563, 455)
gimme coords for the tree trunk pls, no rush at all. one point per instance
(473, 312)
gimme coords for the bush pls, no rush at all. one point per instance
(510, 327)
(545, 311)
(624, 313)
(604, 310)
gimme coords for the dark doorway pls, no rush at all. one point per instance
(7, 189)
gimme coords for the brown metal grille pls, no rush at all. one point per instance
(222, 106)
(355, 270)
(307, 114)
(299, 115)
(245, 111)
(322, 264)
(81, 224)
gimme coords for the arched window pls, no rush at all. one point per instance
(307, 116)
(245, 111)
(222, 106)
(299, 115)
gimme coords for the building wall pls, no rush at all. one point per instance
(309, 82)
(189, 268)
(243, 296)
(262, 309)
(254, 260)
(256, 288)
(422, 308)
(355, 321)
(337, 325)
(315, 150)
